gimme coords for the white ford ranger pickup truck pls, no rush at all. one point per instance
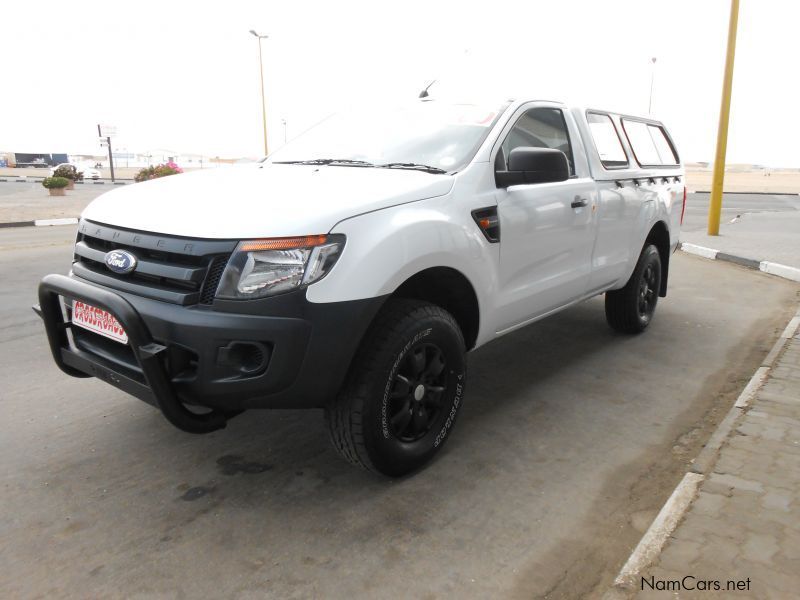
(354, 268)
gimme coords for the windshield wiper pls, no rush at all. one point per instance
(412, 166)
(362, 163)
(326, 161)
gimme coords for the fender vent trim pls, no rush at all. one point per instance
(488, 222)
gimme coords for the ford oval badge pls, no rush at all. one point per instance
(120, 261)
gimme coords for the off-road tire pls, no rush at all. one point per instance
(631, 309)
(360, 419)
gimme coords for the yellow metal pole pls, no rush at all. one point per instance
(263, 100)
(715, 206)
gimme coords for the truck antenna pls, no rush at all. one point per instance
(424, 93)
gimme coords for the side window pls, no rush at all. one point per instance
(606, 140)
(663, 147)
(538, 128)
(649, 144)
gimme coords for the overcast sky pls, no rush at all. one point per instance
(184, 75)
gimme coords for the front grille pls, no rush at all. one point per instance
(174, 269)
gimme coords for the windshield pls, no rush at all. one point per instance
(432, 134)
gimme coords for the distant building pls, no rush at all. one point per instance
(157, 156)
(32, 159)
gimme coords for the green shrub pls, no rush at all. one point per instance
(55, 182)
(69, 172)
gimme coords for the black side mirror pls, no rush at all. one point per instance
(533, 165)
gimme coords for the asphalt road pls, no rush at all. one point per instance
(696, 216)
(570, 440)
(761, 227)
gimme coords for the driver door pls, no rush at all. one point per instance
(547, 229)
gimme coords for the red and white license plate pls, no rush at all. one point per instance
(98, 320)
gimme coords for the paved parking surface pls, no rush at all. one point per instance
(30, 200)
(570, 440)
(744, 525)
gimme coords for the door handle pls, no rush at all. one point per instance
(578, 202)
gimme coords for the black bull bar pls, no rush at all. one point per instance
(77, 363)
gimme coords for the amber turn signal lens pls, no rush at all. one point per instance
(306, 241)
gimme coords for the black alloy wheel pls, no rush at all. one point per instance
(416, 396)
(648, 291)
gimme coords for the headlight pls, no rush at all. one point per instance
(261, 268)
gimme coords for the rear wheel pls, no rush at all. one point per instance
(403, 393)
(630, 309)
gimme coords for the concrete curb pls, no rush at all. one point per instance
(50, 222)
(748, 193)
(785, 271)
(649, 547)
(38, 179)
(41, 222)
(707, 457)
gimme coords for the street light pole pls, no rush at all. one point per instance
(652, 80)
(715, 204)
(263, 99)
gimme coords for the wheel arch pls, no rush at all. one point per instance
(451, 290)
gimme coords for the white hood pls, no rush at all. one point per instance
(273, 201)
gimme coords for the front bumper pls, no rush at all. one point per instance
(279, 352)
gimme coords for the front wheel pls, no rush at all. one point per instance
(630, 309)
(404, 390)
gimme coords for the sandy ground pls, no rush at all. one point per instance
(780, 182)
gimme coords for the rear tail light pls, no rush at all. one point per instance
(683, 209)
